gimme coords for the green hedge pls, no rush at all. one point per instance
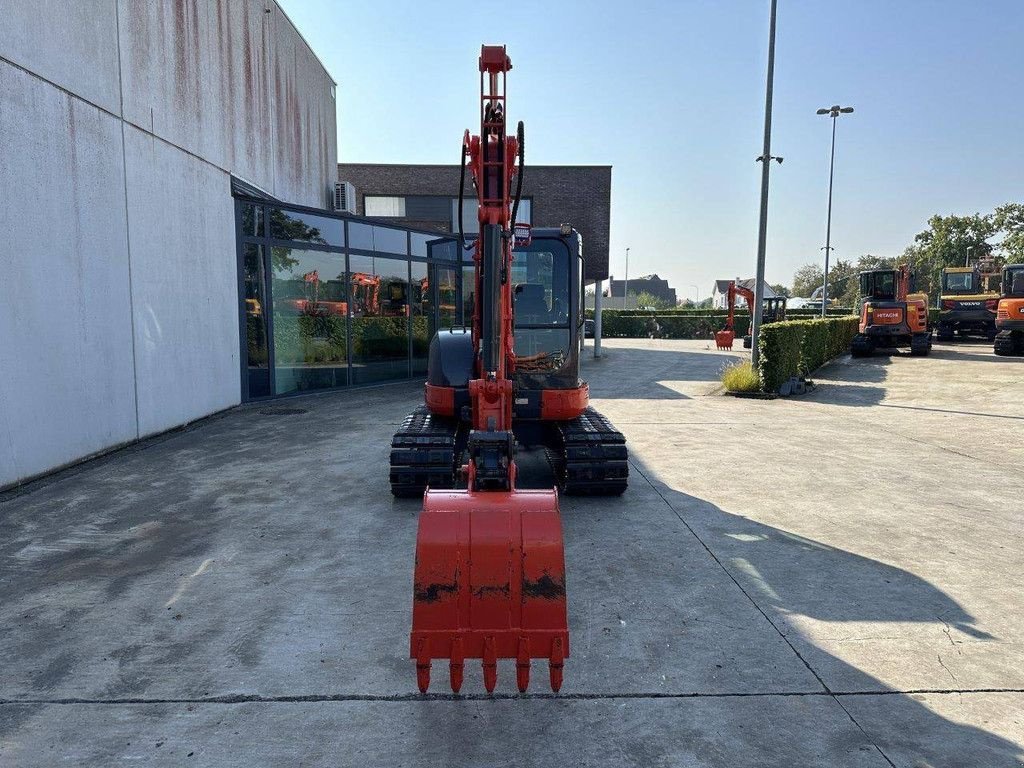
(705, 312)
(799, 347)
(676, 326)
(779, 346)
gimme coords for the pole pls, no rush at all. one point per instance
(762, 230)
(828, 225)
(598, 290)
(697, 289)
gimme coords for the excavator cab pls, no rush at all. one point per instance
(1010, 313)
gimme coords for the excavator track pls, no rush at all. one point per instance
(594, 460)
(423, 453)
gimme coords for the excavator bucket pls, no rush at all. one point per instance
(724, 339)
(489, 584)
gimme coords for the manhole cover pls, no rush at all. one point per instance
(282, 411)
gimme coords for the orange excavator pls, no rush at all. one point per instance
(489, 579)
(1010, 313)
(773, 310)
(892, 315)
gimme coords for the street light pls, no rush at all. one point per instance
(766, 160)
(695, 288)
(834, 111)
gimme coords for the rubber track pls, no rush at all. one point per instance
(594, 458)
(422, 454)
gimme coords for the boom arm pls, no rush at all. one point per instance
(492, 161)
(735, 290)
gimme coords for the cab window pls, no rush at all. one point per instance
(541, 305)
(959, 282)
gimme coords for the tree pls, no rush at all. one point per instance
(645, 299)
(945, 244)
(807, 279)
(780, 289)
(1009, 220)
(842, 279)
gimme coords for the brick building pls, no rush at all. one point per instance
(425, 197)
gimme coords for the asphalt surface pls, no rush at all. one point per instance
(829, 580)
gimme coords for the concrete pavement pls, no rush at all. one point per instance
(829, 580)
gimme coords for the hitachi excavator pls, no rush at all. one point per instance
(773, 310)
(891, 314)
(489, 580)
(1010, 313)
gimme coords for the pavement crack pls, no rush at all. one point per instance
(316, 698)
(948, 670)
(860, 728)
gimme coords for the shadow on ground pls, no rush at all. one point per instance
(785, 574)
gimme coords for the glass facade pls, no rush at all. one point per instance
(310, 300)
(331, 301)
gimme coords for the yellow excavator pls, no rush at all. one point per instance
(968, 301)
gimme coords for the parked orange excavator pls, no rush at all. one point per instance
(892, 314)
(489, 580)
(773, 310)
(1010, 313)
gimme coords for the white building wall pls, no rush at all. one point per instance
(185, 297)
(121, 123)
(66, 378)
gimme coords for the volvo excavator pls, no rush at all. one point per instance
(489, 579)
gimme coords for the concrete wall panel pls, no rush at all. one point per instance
(65, 327)
(196, 72)
(305, 134)
(71, 44)
(184, 284)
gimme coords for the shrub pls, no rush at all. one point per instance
(676, 325)
(779, 348)
(799, 347)
(740, 377)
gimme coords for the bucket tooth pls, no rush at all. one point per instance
(423, 666)
(556, 664)
(490, 665)
(456, 665)
(523, 665)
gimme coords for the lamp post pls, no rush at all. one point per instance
(834, 111)
(762, 229)
(697, 292)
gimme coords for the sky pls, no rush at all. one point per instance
(671, 94)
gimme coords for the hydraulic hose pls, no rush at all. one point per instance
(462, 189)
(521, 141)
